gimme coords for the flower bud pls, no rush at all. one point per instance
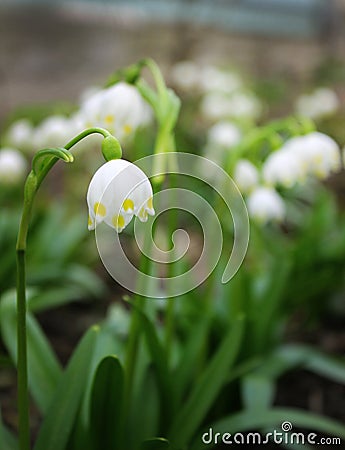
(111, 148)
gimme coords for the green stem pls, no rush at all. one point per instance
(32, 184)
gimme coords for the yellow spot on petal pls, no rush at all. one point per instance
(143, 214)
(109, 119)
(150, 203)
(118, 221)
(100, 209)
(128, 204)
(127, 128)
(89, 221)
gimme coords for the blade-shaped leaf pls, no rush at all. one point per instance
(106, 419)
(44, 371)
(207, 387)
(155, 444)
(257, 392)
(61, 416)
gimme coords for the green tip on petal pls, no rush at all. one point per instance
(111, 148)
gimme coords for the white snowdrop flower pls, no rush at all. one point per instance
(213, 79)
(12, 166)
(119, 108)
(322, 153)
(89, 92)
(118, 191)
(224, 135)
(52, 132)
(283, 168)
(245, 105)
(320, 103)
(246, 176)
(185, 75)
(265, 205)
(20, 135)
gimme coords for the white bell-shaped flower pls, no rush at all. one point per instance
(223, 134)
(265, 205)
(320, 103)
(246, 176)
(12, 166)
(118, 191)
(20, 135)
(283, 168)
(119, 108)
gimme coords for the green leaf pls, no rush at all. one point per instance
(257, 392)
(251, 420)
(61, 416)
(44, 370)
(106, 419)
(155, 444)
(207, 387)
(7, 440)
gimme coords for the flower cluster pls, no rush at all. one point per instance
(119, 109)
(13, 166)
(301, 158)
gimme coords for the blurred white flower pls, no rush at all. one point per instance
(185, 75)
(53, 131)
(20, 135)
(320, 103)
(246, 176)
(224, 134)
(213, 79)
(265, 205)
(119, 108)
(283, 168)
(217, 106)
(319, 154)
(12, 166)
(117, 191)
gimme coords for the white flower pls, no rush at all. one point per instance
(119, 108)
(12, 166)
(319, 154)
(284, 168)
(117, 191)
(265, 204)
(217, 106)
(320, 103)
(20, 135)
(246, 176)
(53, 131)
(213, 79)
(185, 75)
(224, 134)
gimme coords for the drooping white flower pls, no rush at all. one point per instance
(265, 205)
(118, 191)
(246, 176)
(224, 135)
(320, 103)
(12, 166)
(284, 168)
(20, 135)
(119, 108)
(319, 154)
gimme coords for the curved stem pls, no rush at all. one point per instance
(32, 184)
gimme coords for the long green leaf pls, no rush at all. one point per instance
(106, 419)
(257, 392)
(207, 387)
(61, 416)
(251, 420)
(44, 371)
(7, 440)
(155, 444)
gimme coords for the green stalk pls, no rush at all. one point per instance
(32, 184)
